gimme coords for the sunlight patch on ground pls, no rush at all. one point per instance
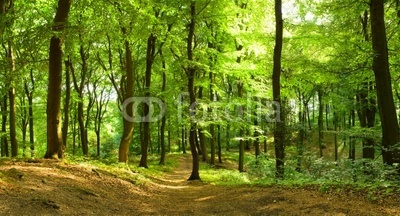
(204, 198)
(169, 186)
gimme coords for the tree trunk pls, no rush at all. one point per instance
(367, 104)
(127, 105)
(352, 141)
(4, 141)
(227, 137)
(369, 148)
(11, 97)
(202, 137)
(256, 142)
(212, 131)
(203, 147)
(335, 128)
(169, 140)
(279, 133)
(327, 115)
(79, 88)
(164, 118)
(66, 102)
(320, 122)
(82, 127)
(219, 144)
(55, 146)
(191, 75)
(29, 93)
(74, 131)
(151, 49)
(387, 111)
(241, 132)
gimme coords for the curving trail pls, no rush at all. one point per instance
(59, 189)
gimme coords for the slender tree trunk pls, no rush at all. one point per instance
(4, 140)
(11, 97)
(387, 111)
(55, 146)
(4, 102)
(74, 131)
(151, 49)
(279, 133)
(320, 122)
(300, 147)
(164, 118)
(352, 141)
(66, 102)
(367, 104)
(327, 116)
(219, 144)
(191, 75)
(335, 128)
(169, 140)
(79, 88)
(30, 112)
(212, 126)
(127, 105)
(202, 137)
(158, 137)
(241, 132)
(369, 148)
(82, 129)
(184, 139)
(8, 9)
(256, 134)
(24, 126)
(227, 137)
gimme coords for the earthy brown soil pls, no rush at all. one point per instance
(55, 188)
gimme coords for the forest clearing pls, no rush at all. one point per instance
(57, 188)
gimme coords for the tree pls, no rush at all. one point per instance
(279, 132)
(190, 72)
(164, 117)
(387, 111)
(55, 146)
(8, 7)
(67, 100)
(79, 88)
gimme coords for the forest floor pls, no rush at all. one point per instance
(56, 188)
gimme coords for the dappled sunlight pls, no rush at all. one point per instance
(204, 198)
(55, 189)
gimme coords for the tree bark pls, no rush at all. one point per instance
(11, 97)
(191, 70)
(164, 119)
(241, 132)
(279, 132)
(320, 122)
(66, 102)
(366, 103)
(79, 88)
(55, 147)
(219, 144)
(29, 93)
(4, 141)
(151, 50)
(212, 131)
(387, 111)
(128, 125)
(6, 7)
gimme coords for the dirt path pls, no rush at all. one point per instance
(60, 189)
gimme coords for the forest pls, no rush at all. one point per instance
(296, 93)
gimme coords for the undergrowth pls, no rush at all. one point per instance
(371, 178)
